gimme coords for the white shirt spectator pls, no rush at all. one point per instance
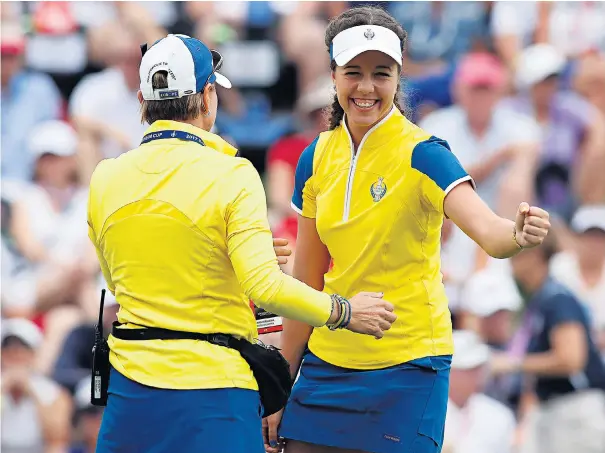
(507, 128)
(573, 27)
(105, 97)
(484, 425)
(21, 428)
(63, 233)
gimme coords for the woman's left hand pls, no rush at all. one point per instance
(282, 251)
(532, 225)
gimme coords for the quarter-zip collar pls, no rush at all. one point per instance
(377, 136)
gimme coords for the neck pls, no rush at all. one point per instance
(591, 267)
(460, 399)
(358, 132)
(200, 122)
(478, 126)
(542, 111)
(534, 280)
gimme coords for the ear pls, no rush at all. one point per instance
(140, 96)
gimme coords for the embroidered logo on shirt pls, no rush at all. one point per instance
(378, 189)
(369, 34)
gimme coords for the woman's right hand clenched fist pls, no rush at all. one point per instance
(371, 314)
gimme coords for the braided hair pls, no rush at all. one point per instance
(363, 15)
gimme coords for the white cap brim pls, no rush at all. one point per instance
(349, 54)
(354, 41)
(222, 80)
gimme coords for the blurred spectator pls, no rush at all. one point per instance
(104, 106)
(47, 220)
(582, 270)
(475, 422)
(87, 419)
(28, 98)
(574, 28)
(49, 231)
(492, 296)
(571, 128)
(75, 359)
(36, 412)
(554, 346)
(282, 157)
(589, 80)
(499, 148)
(440, 32)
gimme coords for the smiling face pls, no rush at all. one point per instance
(366, 87)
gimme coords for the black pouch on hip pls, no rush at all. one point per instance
(271, 371)
(100, 363)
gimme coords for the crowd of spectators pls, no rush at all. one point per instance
(516, 88)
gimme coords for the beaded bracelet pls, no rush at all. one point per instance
(345, 312)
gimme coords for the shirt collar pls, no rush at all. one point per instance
(210, 140)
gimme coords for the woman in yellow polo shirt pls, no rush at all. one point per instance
(372, 193)
(180, 227)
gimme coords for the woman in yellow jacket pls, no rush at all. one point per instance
(180, 227)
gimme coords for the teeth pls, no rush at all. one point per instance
(364, 104)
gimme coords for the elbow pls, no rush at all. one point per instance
(574, 363)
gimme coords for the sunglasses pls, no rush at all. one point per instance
(217, 63)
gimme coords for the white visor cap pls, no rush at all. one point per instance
(351, 42)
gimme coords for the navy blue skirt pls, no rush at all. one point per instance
(399, 409)
(141, 419)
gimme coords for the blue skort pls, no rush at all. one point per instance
(400, 409)
(141, 419)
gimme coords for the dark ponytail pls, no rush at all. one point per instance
(363, 15)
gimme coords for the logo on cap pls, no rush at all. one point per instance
(369, 34)
(169, 94)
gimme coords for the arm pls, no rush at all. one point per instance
(250, 248)
(56, 422)
(26, 242)
(69, 370)
(310, 264)
(280, 187)
(587, 182)
(518, 180)
(567, 356)
(482, 170)
(492, 233)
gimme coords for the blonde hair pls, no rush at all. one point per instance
(181, 109)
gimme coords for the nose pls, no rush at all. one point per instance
(366, 85)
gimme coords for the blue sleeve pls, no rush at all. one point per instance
(434, 159)
(564, 308)
(75, 360)
(304, 171)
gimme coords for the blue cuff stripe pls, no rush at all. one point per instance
(434, 158)
(304, 170)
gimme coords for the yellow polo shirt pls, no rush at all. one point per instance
(181, 231)
(379, 211)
